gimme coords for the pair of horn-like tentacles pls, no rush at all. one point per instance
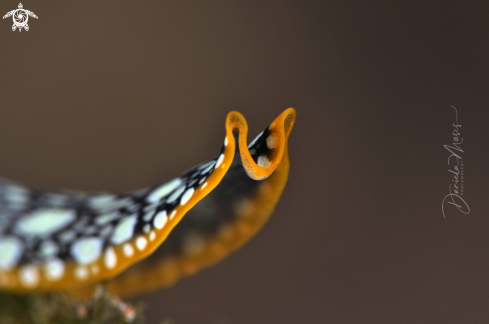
(149, 238)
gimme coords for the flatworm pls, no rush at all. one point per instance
(69, 240)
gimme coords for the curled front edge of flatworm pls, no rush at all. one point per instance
(249, 211)
(157, 211)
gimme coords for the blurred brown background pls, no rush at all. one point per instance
(119, 95)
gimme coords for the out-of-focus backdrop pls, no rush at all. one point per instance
(111, 95)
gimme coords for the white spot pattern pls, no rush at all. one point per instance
(207, 169)
(141, 243)
(29, 275)
(124, 230)
(86, 250)
(94, 224)
(54, 269)
(205, 165)
(186, 196)
(110, 258)
(45, 221)
(271, 142)
(48, 248)
(17, 195)
(67, 236)
(149, 214)
(81, 273)
(102, 202)
(146, 228)
(128, 250)
(164, 190)
(219, 160)
(106, 218)
(175, 195)
(10, 252)
(160, 219)
(263, 161)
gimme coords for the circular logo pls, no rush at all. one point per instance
(20, 17)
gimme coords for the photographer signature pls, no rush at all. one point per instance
(456, 188)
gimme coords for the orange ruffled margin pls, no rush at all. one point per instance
(252, 217)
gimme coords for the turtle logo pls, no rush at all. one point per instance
(20, 17)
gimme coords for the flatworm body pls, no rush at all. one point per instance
(141, 240)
